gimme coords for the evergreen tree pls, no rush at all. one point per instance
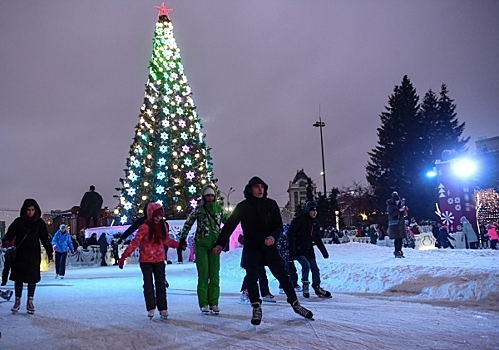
(411, 139)
(168, 161)
(447, 128)
(391, 159)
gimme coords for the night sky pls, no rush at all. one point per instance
(72, 79)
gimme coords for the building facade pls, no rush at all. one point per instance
(297, 191)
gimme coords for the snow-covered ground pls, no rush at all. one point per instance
(439, 299)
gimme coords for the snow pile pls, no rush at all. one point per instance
(464, 275)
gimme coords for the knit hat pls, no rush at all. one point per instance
(158, 212)
(311, 205)
(395, 196)
(62, 227)
(208, 190)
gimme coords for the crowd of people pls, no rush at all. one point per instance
(264, 244)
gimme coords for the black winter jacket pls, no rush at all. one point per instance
(303, 233)
(26, 266)
(259, 218)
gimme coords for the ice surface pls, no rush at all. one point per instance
(438, 299)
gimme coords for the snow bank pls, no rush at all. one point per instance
(465, 275)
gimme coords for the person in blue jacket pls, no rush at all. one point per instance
(61, 242)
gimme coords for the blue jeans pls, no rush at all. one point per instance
(307, 265)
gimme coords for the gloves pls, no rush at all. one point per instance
(72, 252)
(182, 244)
(121, 262)
(50, 257)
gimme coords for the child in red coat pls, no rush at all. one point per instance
(152, 236)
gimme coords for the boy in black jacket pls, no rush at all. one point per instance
(261, 222)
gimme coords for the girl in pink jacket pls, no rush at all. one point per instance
(152, 236)
(492, 234)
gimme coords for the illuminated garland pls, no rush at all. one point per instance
(487, 205)
(168, 162)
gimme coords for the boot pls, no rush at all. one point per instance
(17, 305)
(256, 319)
(7, 295)
(305, 289)
(322, 293)
(150, 313)
(163, 314)
(30, 307)
(302, 311)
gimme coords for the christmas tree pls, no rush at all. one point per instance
(168, 162)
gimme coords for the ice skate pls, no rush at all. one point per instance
(256, 319)
(30, 307)
(215, 310)
(281, 291)
(302, 311)
(7, 295)
(163, 314)
(56, 276)
(205, 310)
(305, 290)
(322, 293)
(17, 305)
(297, 289)
(269, 298)
(150, 314)
(62, 277)
(244, 298)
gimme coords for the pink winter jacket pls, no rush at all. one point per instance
(491, 232)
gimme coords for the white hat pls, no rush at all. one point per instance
(62, 227)
(208, 190)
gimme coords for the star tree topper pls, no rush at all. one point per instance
(163, 11)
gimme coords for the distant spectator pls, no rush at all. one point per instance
(90, 206)
(61, 243)
(75, 242)
(92, 240)
(469, 234)
(492, 235)
(103, 248)
(443, 238)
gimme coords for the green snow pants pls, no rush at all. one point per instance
(208, 266)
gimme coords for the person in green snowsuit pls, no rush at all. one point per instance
(209, 217)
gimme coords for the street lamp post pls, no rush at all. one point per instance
(227, 195)
(337, 214)
(320, 124)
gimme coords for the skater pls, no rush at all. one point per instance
(209, 216)
(152, 236)
(263, 284)
(92, 240)
(115, 246)
(261, 222)
(469, 234)
(5, 271)
(103, 248)
(443, 238)
(7, 294)
(283, 248)
(263, 281)
(492, 235)
(396, 224)
(90, 206)
(26, 233)
(61, 243)
(303, 233)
